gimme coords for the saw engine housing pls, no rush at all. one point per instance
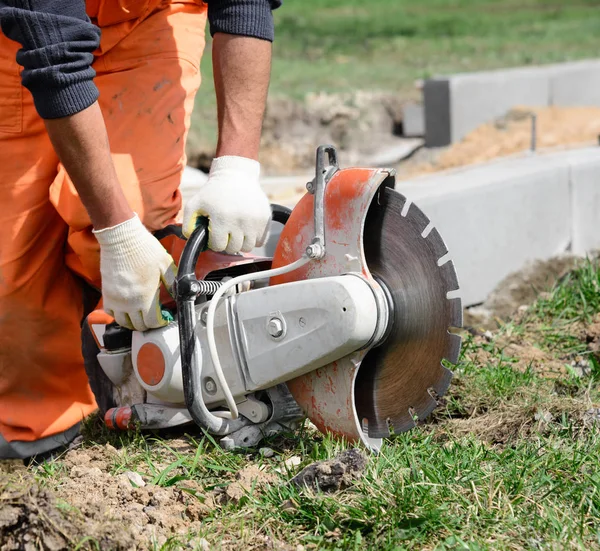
(249, 356)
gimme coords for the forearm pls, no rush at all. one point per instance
(241, 67)
(81, 143)
(58, 41)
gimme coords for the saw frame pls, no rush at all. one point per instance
(256, 343)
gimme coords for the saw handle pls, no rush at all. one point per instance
(198, 240)
(187, 290)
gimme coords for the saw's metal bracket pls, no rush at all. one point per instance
(316, 187)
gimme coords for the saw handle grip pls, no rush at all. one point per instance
(188, 289)
(198, 241)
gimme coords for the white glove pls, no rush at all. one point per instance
(133, 263)
(238, 210)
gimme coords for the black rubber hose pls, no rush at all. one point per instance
(280, 213)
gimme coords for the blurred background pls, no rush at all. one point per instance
(350, 72)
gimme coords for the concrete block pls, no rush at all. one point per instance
(413, 120)
(585, 204)
(436, 99)
(575, 84)
(495, 218)
(477, 99)
(457, 104)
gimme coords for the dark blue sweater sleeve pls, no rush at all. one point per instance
(58, 40)
(243, 17)
(57, 44)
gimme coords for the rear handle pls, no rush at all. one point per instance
(187, 290)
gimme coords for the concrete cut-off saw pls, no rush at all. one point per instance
(348, 324)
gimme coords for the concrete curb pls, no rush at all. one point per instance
(497, 217)
(457, 104)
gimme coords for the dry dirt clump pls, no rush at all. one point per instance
(31, 519)
(333, 474)
(511, 134)
(148, 513)
(249, 478)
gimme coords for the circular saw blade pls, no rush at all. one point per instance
(399, 381)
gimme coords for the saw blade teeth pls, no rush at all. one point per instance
(454, 343)
(455, 312)
(449, 276)
(417, 218)
(428, 404)
(442, 384)
(401, 423)
(436, 243)
(403, 203)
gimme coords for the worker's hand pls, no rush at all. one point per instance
(236, 207)
(133, 263)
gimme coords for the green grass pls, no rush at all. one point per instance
(506, 463)
(340, 46)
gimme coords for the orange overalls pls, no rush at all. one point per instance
(148, 73)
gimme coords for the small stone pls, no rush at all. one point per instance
(581, 368)
(266, 452)
(543, 416)
(293, 461)
(488, 336)
(199, 544)
(112, 450)
(299, 547)
(135, 478)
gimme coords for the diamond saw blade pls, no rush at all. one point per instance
(400, 380)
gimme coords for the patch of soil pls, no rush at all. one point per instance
(92, 509)
(509, 422)
(31, 519)
(511, 134)
(249, 478)
(333, 474)
(529, 356)
(147, 513)
(360, 124)
(591, 335)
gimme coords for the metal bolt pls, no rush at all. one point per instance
(194, 287)
(314, 251)
(533, 131)
(210, 386)
(310, 187)
(302, 322)
(204, 316)
(275, 328)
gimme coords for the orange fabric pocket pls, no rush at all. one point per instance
(11, 89)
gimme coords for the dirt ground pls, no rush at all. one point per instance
(90, 508)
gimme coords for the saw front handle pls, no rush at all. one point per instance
(188, 288)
